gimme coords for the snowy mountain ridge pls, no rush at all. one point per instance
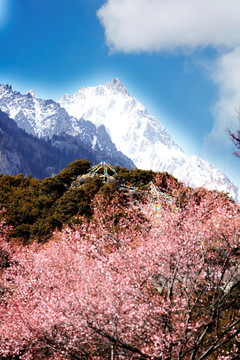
(110, 121)
(36, 116)
(141, 136)
(46, 118)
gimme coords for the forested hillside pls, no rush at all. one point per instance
(140, 268)
(36, 207)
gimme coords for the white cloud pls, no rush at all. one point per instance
(226, 74)
(217, 145)
(167, 25)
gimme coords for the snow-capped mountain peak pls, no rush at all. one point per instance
(124, 117)
(46, 118)
(5, 87)
(113, 123)
(37, 116)
(32, 93)
(115, 86)
(141, 136)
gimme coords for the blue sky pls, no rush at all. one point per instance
(182, 62)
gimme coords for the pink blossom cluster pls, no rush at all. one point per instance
(127, 286)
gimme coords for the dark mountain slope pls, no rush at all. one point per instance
(23, 153)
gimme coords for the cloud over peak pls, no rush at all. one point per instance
(173, 26)
(160, 25)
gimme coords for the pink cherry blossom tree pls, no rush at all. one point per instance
(129, 285)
